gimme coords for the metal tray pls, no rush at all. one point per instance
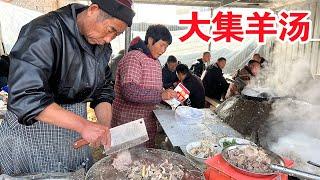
(105, 171)
(275, 159)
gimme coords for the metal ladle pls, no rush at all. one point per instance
(294, 172)
(314, 164)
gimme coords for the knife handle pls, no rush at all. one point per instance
(80, 143)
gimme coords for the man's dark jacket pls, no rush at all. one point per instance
(168, 77)
(194, 85)
(214, 83)
(52, 62)
(198, 67)
(4, 66)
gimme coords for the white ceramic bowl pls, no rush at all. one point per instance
(200, 157)
(237, 140)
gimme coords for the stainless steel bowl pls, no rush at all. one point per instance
(275, 159)
(104, 170)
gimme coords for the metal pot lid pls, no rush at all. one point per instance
(258, 93)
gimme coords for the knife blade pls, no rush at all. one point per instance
(123, 137)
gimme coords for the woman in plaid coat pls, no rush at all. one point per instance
(138, 84)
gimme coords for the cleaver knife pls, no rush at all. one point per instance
(123, 137)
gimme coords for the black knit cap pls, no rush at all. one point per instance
(120, 9)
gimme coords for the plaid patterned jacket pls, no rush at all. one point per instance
(137, 69)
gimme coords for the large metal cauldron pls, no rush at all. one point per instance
(103, 169)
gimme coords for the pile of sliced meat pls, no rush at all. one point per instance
(250, 158)
(163, 171)
(141, 170)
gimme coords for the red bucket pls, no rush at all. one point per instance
(219, 169)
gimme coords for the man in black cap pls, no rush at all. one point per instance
(59, 62)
